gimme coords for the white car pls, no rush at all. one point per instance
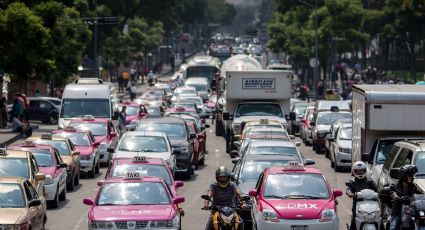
(340, 149)
(147, 144)
(202, 109)
(183, 90)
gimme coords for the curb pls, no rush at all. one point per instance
(15, 138)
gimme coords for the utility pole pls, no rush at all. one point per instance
(96, 64)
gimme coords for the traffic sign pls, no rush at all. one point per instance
(314, 63)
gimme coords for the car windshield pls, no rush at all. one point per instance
(11, 196)
(153, 111)
(420, 162)
(346, 134)
(61, 146)
(133, 193)
(77, 138)
(15, 167)
(265, 132)
(143, 144)
(252, 169)
(72, 108)
(296, 186)
(185, 91)
(130, 110)
(43, 157)
(300, 110)
(201, 71)
(171, 130)
(97, 129)
(197, 101)
(144, 170)
(259, 110)
(384, 150)
(199, 88)
(329, 118)
(273, 150)
(184, 105)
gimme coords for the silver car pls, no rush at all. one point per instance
(340, 149)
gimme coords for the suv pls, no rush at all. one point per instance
(404, 153)
(45, 109)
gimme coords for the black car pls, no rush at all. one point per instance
(246, 172)
(45, 109)
(182, 141)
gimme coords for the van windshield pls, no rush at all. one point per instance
(201, 71)
(259, 110)
(199, 88)
(72, 108)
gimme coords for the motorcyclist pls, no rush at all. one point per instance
(223, 193)
(358, 183)
(400, 191)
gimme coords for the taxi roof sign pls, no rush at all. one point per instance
(28, 143)
(3, 152)
(88, 118)
(140, 159)
(133, 175)
(293, 166)
(46, 136)
(69, 128)
(264, 121)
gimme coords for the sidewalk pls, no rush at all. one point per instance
(7, 137)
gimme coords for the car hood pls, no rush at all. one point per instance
(239, 120)
(162, 155)
(346, 144)
(67, 159)
(299, 209)
(323, 127)
(12, 215)
(132, 212)
(48, 171)
(246, 186)
(84, 150)
(100, 139)
(178, 142)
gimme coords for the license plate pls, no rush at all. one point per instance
(299, 227)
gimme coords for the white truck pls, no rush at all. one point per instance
(383, 115)
(254, 95)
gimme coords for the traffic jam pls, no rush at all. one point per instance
(154, 144)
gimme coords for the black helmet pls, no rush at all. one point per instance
(222, 171)
(407, 171)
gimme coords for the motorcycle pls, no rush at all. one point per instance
(224, 218)
(368, 211)
(418, 207)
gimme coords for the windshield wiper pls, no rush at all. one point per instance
(276, 196)
(311, 197)
(108, 204)
(147, 150)
(125, 150)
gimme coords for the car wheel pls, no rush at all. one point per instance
(228, 144)
(77, 179)
(97, 168)
(70, 184)
(314, 147)
(53, 120)
(202, 161)
(62, 196)
(332, 162)
(188, 174)
(218, 129)
(92, 172)
(55, 202)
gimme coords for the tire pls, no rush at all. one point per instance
(70, 184)
(97, 168)
(218, 129)
(62, 195)
(202, 161)
(92, 173)
(188, 174)
(228, 144)
(55, 202)
(52, 120)
(77, 179)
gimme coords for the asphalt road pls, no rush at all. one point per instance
(72, 213)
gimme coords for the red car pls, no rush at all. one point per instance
(86, 144)
(104, 132)
(134, 111)
(305, 127)
(199, 143)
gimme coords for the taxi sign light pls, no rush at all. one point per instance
(293, 166)
(180, 109)
(264, 121)
(28, 143)
(133, 175)
(140, 159)
(88, 118)
(69, 128)
(46, 136)
(3, 152)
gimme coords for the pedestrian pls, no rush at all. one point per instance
(151, 77)
(183, 55)
(19, 126)
(320, 89)
(304, 93)
(37, 93)
(121, 119)
(120, 84)
(17, 109)
(133, 92)
(125, 77)
(172, 61)
(3, 112)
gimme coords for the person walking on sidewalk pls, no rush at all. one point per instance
(3, 112)
(133, 92)
(121, 119)
(172, 61)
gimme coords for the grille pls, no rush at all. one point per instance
(125, 224)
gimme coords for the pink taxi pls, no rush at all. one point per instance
(50, 164)
(134, 111)
(294, 198)
(134, 202)
(103, 131)
(86, 144)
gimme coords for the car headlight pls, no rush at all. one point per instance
(236, 129)
(49, 180)
(269, 215)
(182, 149)
(343, 150)
(328, 215)
(100, 225)
(162, 224)
(86, 157)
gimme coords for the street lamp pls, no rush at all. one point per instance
(316, 41)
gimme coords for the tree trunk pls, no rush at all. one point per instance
(412, 58)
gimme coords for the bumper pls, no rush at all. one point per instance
(104, 155)
(50, 190)
(308, 136)
(320, 142)
(343, 159)
(183, 162)
(86, 165)
(289, 224)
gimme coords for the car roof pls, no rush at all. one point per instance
(269, 121)
(145, 133)
(279, 170)
(11, 179)
(271, 129)
(128, 160)
(16, 154)
(95, 120)
(54, 138)
(45, 98)
(185, 87)
(143, 179)
(28, 147)
(346, 125)
(129, 104)
(279, 143)
(259, 157)
(162, 120)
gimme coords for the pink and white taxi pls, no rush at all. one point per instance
(294, 198)
(134, 202)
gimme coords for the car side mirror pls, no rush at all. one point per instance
(34, 203)
(330, 138)
(110, 150)
(234, 153)
(365, 157)
(312, 123)
(236, 160)
(337, 192)
(394, 173)
(100, 182)
(252, 193)
(62, 165)
(309, 162)
(178, 184)
(88, 201)
(192, 135)
(40, 176)
(113, 134)
(75, 153)
(178, 200)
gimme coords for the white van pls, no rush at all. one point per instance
(85, 99)
(201, 85)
